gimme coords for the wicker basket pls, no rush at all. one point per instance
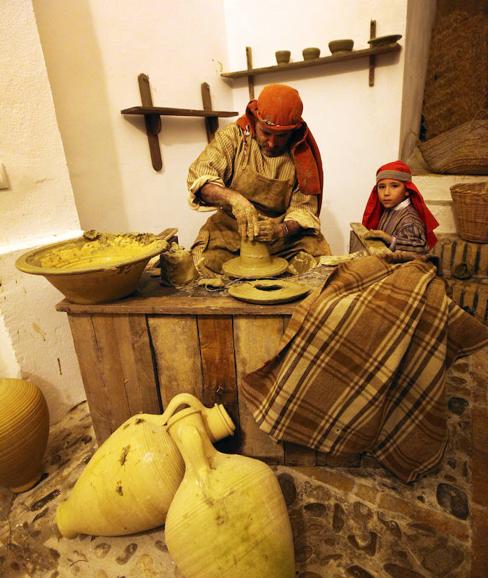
(470, 204)
(463, 150)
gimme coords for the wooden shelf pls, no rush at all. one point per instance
(164, 111)
(152, 116)
(332, 59)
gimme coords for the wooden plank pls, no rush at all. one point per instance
(177, 355)
(372, 58)
(256, 340)
(372, 246)
(167, 111)
(140, 380)
(353, 55)
(152, 122)
(250, 78)
(211, 122)
(97, 395)
(111, 367)
(104, 367)
(219, 384)
(218, 361)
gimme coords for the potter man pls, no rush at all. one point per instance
(263, 176)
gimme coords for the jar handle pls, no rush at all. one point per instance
(193, 451)
(176, 401)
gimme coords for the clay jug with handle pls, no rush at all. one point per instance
(129, 483)
(228, 517)
(24, 431)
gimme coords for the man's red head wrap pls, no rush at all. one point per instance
(280, 108)
(399, 171)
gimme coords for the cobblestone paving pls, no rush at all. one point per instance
(347, 522)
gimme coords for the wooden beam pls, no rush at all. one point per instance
(211, 122)
(250, 78)
(372, 58)
(152, 122)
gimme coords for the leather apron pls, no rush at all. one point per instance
(219, 239)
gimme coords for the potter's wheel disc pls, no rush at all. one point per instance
(268, 292)
(235, 268)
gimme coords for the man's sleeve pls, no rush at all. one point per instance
(214, 165)
(303, 210)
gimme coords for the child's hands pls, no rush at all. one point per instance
(377, 234)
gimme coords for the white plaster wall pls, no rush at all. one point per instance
(357, 127)
(38, 207)
(95, 51)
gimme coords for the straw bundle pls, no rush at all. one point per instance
(456, 85)
(470, 205)
(460, 151)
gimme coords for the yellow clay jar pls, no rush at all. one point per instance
(24, 431)
(129, 483)
(228, 517)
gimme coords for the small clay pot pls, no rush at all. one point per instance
(282, 56)
(342, 45)
(310, 53)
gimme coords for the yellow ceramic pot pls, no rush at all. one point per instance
(24, 431)
(129, 483)
(228, 517)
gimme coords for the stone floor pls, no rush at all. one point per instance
(347, 522)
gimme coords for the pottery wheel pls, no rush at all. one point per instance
(239, 270)
(268, 291)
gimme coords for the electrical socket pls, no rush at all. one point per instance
(4, 184)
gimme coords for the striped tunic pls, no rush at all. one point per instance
(218, 162)
(403, 223)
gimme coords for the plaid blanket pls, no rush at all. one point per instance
(362, 363)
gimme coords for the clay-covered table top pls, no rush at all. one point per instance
(153, 298)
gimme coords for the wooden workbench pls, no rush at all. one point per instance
(135, 354)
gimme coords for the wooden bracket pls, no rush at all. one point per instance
(211, 122)
(372, 58)
(152, 122)
(250, 78)
(152, 116)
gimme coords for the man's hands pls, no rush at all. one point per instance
(250, 224)
(246, 216)
(270, 230)
(377, 234)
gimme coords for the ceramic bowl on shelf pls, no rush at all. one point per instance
(95, 268)
(381, 40)
(282, 56)
(341, 45)
(311, 53)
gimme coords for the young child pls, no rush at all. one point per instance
(396, 212)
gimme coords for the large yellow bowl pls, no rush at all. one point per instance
(95, 268)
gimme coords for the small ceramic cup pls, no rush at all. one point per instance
(310, 53)
(282, 56)
(341, 46)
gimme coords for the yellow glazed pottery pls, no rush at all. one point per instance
(95, 268)
(228, 517)
(129, 483)
(24, 431)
